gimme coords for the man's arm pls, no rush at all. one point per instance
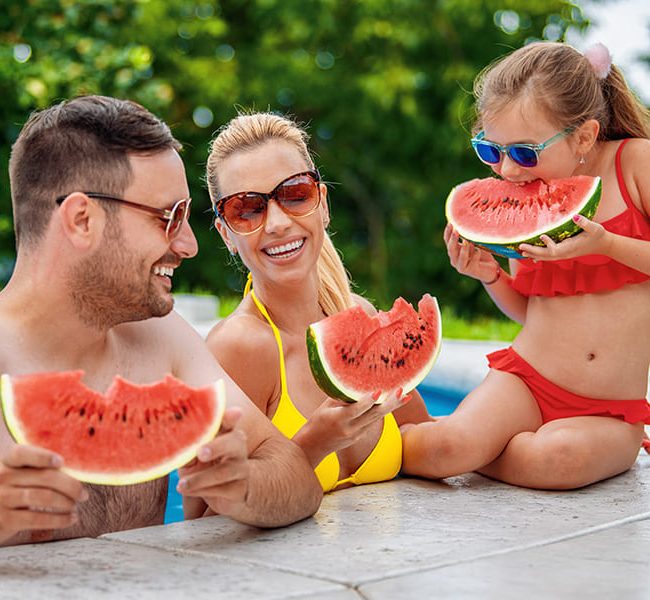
(250, 471)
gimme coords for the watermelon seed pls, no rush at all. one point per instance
(178, 415)
(67, 412)
(184, 409)
(91, 431)
(101, 416)
(140, 433)
(124, 414)
(82, 411)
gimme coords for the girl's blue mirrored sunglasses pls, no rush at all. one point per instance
(525, 155)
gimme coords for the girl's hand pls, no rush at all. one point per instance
(336, 424)
(469, 259)
(594, 239)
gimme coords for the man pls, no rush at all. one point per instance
(100, 203)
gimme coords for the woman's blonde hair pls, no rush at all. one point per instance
(565, 84)
(248, 131)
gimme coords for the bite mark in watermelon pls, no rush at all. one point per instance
(500, 215)
(352, 353)
(131, 434)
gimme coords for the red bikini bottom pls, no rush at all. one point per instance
(557, 403)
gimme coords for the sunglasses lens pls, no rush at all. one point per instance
(487, 153)
(179, 214)
(298, 196)
(244, 213)
(523, 156)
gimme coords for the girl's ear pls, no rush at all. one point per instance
(224, 232)
(82, 221)
(586, 136)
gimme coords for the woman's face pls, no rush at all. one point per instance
(286, 248)
(523, 122)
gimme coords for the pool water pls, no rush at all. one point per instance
(439, 402)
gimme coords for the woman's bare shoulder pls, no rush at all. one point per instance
(245, 347)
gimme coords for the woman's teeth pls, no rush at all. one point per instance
(284, 248)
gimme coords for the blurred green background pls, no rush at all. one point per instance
(384, 87)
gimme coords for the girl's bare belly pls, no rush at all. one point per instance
(596, 345)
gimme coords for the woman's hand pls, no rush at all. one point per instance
(469, 259)
(336, 424)
(594, 239)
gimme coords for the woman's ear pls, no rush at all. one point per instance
(225, 235)
(82, 221)
(586, 136)
(324, 206)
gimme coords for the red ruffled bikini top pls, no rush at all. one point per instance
(593, 272)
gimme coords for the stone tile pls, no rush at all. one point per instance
(612, 563)
(371, 532)
(96, 569)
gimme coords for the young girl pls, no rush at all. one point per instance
(565, 405)
(271, 210)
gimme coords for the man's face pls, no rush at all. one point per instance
(129, 277)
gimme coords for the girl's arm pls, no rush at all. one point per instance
(477, 263)
(595, 239)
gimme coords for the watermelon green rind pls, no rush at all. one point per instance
(509, 247)
(317, 362)
(182, 457)
(327, 380)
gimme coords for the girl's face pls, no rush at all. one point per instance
(286, 248)
(523, 122)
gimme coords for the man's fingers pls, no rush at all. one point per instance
(51, 479)
(38, 499)
(31, 456)
(230, 418)
(218, 475)
(21, 519)
(225, 446)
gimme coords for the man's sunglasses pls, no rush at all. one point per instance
(525, 155)
(245, 212)
(174, 216)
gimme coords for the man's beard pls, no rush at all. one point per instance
(113, 287)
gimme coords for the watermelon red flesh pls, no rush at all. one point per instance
(352, 354)
(132, 433)
(498, 213)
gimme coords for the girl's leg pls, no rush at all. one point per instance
(475, 433)
(568, 453)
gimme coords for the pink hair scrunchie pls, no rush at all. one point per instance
(600, 59)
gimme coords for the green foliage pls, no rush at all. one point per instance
(478, 328)
(384, 86)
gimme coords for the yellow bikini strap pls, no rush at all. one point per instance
(276, 333)
(249, 284)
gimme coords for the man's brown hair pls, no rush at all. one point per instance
(78, 145)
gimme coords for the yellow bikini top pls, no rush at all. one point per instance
(382, 464)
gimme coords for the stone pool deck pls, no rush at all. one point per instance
(464, 537)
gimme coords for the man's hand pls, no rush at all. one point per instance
(35, 493)
(219, 474)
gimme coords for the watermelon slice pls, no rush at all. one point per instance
(352, 353)
(131, 434)
(499, 215)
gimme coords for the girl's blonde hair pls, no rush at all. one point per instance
(248, 131)
(564, 82)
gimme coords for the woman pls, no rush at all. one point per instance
(271, 210)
